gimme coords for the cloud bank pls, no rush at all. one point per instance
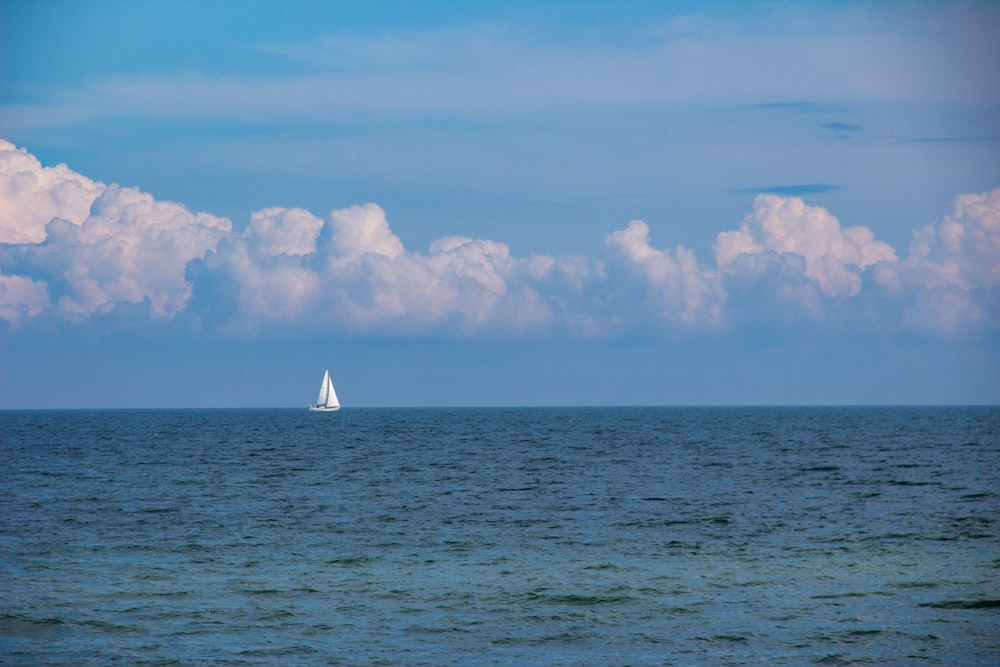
(76, 249)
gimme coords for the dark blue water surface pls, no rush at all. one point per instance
(624, 536)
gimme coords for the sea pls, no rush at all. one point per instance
(501, 536)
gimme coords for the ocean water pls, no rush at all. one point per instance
(619, 536)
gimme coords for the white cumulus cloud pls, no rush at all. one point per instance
(76, 248)
(129, 249)
(86, 247)
(951, 268)
(963, 250)
(363, 278)
(21, 297)
(31, 195)
(832, 255)
(362, 230)
(283, 231)
(676, 286)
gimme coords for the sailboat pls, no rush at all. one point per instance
(327, 401)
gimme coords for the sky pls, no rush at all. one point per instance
(506, 203)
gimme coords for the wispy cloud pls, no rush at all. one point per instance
(842, 131)
(799, 190)
(952, 140)
(798, 107)
(842, 127)
(803, 60)
(105, 246)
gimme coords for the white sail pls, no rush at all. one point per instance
(331, 393)
(324, 390)
(327, 399)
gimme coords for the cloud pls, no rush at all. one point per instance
(131, 248)
(362, 278)
(363, 230)
(82, 247)
(951, 268)
(846, 128)
(786, 253)
(485, 69)
(676, 287)
(797, 107)
(794, 190)
(283, 231)
(970, 236)
(21, 297)
(261, 272)
(31, 195)
(842, 131)
(355, 274)
(952, 140)
(832, 256)
(351, 272)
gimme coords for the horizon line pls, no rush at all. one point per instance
(519, 407)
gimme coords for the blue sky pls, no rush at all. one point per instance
(499, 203)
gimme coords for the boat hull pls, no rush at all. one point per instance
(313, 408)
